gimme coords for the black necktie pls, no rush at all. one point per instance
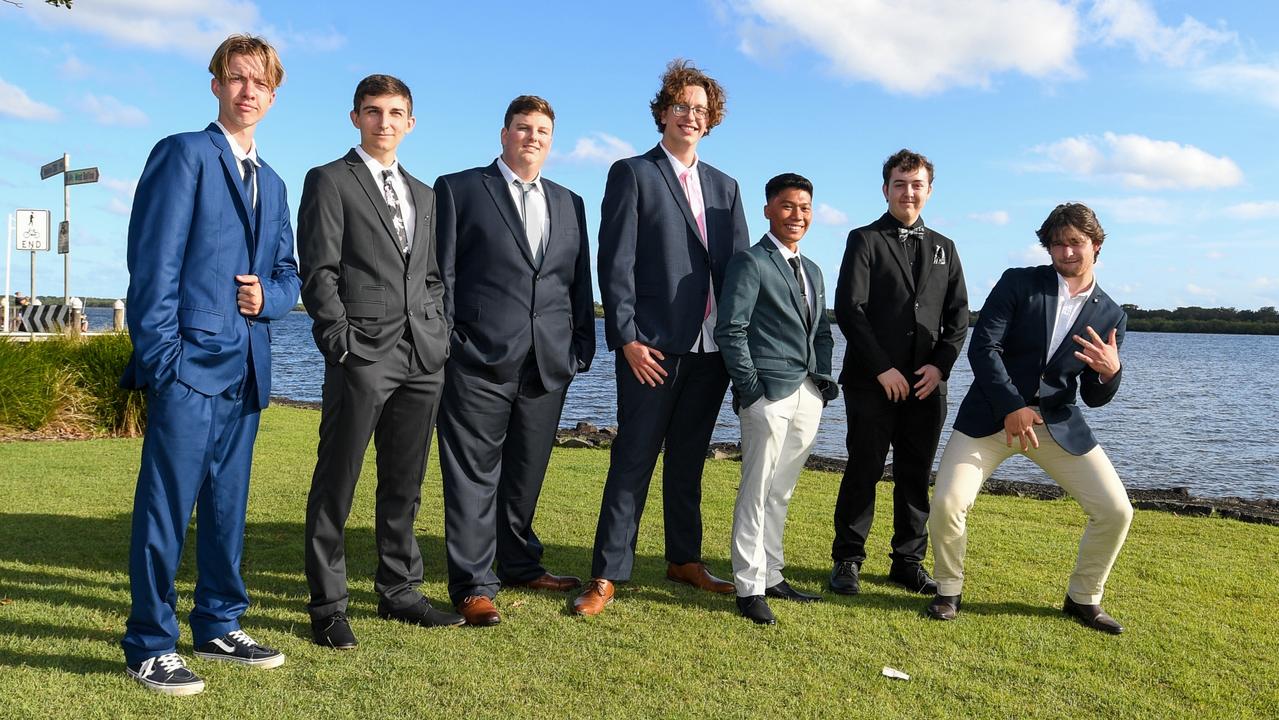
(803, 294)
(246, 179)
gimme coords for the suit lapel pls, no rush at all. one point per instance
(788, 275)
(814, 274)
(495, 183)
(232, 168)
(1085, 318)
(929, 247)
(421, 220)
(658, 156)
(899, 254)
(558, 208)
(1048, 296)
(365, 179)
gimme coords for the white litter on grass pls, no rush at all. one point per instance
(894, 673)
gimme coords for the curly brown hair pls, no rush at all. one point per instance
(908, 161)
(680, 74)
(254, 47)
(1076, 215)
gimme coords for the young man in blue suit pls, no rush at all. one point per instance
(515, 257)
(1044, 335)
(775, 339)
(210, 266)
(668, 225)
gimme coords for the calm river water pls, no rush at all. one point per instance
(1198, 411)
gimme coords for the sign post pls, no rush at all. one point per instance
(69, 178)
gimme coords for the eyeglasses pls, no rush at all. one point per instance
(680, 110)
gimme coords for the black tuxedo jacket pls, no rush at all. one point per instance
(1009, 368)
(501, 303)
(890, 321)
(653, 268)
(358, 287)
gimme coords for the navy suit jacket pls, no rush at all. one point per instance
(501, 303)
(191, 232)
(360, 289)
(1007, 352)
(653, 268)
(767, 346)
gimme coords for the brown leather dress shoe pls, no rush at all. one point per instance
(598, 593)
(479, 611)
(696, 574)
(553, 583)
(1092, 616)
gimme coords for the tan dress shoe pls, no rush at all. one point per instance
(598, 593)
(479, 611)
(696, 574)
(552, 583)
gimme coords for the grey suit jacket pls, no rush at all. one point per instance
(503, 304)
(761, 331)
(358, 287)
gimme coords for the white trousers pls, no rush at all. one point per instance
(1089, 478)
(777, 437)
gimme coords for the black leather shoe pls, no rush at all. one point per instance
(784, 591)
(755, 609)
(333, 631)
(844, 578)
(944, 607)
(913, 577)
(1092, 616)
(420, 613)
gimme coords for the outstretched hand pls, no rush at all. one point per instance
(1100, 355)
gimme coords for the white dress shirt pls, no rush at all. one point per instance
(808, 286)
(240, 156)
(538, 195)
(401, 188)
(1068, 308)
(705, 341)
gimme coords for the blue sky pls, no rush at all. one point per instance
(1161, 115)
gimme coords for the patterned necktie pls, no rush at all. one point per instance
(397, 215)
(693, 193)
(803, 294)
(534, 214)
(246, 179)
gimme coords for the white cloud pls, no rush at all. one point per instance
(1134, 22)
(116, 206)
(600, 149)
(1140, 162)
(15, 102)
(1253, 210)
(1137, 209)
(1251, 81)
(1215, 255)
(1266, 282)
(827, 215)
(188, 27)
(1032, 254)
(994, 217)
(73, 68)
(1198, 291)
(106, 110)
(121, 202)
(948, 42)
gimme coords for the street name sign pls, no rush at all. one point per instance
(50, 169)
(81, 176)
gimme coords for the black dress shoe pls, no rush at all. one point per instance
(784, 591)
(755, 609)
(333, 631)
(944, 607)
(844, 578)
(1092, 616)
(913, 577)
(420, 613)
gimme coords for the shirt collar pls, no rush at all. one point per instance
(375, 165)
(786, 252)
(511, 177)
(679, 167)
(1063, 290)
(236, 150)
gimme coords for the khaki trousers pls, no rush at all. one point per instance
(1089, 478)
(777, 437)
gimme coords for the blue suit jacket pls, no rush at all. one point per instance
(503, 304)
(191, 232)
(761, 332)
(653, 268)
(1009, 368)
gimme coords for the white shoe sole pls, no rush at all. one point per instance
(264, 663)
(191, 688)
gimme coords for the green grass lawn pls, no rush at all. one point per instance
(1197, 596)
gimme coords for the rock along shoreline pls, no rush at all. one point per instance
(1177, 500)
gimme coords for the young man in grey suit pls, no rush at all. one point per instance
(1027, 373)
(775, 339)
(366, 242)
(515, 258)
(668, 226)
(902, 305)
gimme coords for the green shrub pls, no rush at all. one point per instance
(68, 386)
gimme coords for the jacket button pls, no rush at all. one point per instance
(910, 333)
(410, 277)
(410, 313)
(533, 315)
(916, 306)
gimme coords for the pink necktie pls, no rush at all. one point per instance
(693, 192)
